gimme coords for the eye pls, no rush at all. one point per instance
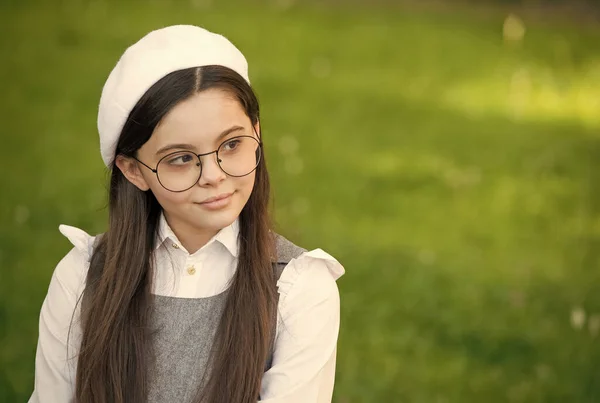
(231, 145)
(181, 159)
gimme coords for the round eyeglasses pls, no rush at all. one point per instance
(179, 171)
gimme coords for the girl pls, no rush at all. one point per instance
(188, 296)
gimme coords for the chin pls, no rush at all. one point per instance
(215, 220)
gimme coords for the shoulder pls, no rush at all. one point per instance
(60, 307)
(286, 250)
(309, 277)
(81, 240)
(71, 271)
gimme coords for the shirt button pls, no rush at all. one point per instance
(175, 246)
(191, 270)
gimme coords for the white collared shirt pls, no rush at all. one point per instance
(303, 366)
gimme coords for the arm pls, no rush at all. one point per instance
(303, 369)
(55, 362)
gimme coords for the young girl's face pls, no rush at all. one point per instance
(200, 125)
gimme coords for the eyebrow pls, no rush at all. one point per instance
(183, 146)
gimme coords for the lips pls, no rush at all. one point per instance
(216, 198)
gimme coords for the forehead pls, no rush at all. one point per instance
(200, 119)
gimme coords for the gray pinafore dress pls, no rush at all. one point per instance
(183, 331)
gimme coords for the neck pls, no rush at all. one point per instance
(191, 238)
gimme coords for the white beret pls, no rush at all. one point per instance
(151, 58)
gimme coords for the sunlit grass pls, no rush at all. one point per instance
(531, 93)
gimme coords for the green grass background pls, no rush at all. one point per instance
(453, 172)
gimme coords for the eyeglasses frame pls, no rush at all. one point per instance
(216, 152)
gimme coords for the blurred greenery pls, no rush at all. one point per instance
(450, 160)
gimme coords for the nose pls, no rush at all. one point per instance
(212, 173)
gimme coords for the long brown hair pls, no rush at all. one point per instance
(117, 301)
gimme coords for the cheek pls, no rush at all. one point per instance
(166, 198)
(246, 184)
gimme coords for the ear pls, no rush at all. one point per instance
(131, 170)
(257, 129)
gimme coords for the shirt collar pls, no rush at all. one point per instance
(227, 236)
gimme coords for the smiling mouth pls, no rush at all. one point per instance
(214, 199)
